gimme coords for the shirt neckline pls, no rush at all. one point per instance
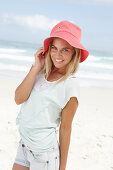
(51, 81)
(55, 80)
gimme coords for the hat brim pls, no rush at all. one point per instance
(84, 52)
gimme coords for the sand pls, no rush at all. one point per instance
(91, 146)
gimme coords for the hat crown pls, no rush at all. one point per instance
(66, 26)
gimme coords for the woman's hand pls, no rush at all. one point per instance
(39, 59)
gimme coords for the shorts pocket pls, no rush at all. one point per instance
(40, 157)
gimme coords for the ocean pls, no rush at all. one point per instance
(16, 59)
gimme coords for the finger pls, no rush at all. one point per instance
(39, 51)
(40, 48)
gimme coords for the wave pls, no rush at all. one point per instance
(13, 67)
(108, 58)
(17, 57)
(93, 58)
(98, 76)
(12, 50)
(99, 65)
(81, 74)
(97, 58)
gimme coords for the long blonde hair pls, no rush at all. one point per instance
(70, 69)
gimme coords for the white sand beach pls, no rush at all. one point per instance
(91, 146)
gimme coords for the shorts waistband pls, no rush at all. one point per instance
(39, 150)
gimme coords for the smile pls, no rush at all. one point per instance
(59, 60)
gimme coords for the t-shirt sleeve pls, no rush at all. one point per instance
(71, 89)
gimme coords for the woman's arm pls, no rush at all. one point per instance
(65, 130)
(64, 140)
(23, 91)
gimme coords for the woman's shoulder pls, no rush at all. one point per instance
(72, 82)
(72, 78)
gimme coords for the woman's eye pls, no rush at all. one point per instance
(65, 49)
(53, 47)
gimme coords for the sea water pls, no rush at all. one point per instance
(16, 59)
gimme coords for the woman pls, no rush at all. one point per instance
(49, 97)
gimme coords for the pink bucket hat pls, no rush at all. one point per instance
(70, 33)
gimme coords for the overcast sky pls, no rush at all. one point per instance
(32, 20)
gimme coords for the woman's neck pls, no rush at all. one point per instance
(58, 71)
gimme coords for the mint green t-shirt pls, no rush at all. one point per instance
(40, 115)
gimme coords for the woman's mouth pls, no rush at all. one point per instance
(59, 61)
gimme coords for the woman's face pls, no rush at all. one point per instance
(61, 53)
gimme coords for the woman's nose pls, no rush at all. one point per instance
(58, 53)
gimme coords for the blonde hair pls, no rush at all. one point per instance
(71, 68)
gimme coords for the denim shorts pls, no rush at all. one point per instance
(42, 160)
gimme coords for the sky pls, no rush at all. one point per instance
(32, 20)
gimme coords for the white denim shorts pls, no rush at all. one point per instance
(45, 160)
